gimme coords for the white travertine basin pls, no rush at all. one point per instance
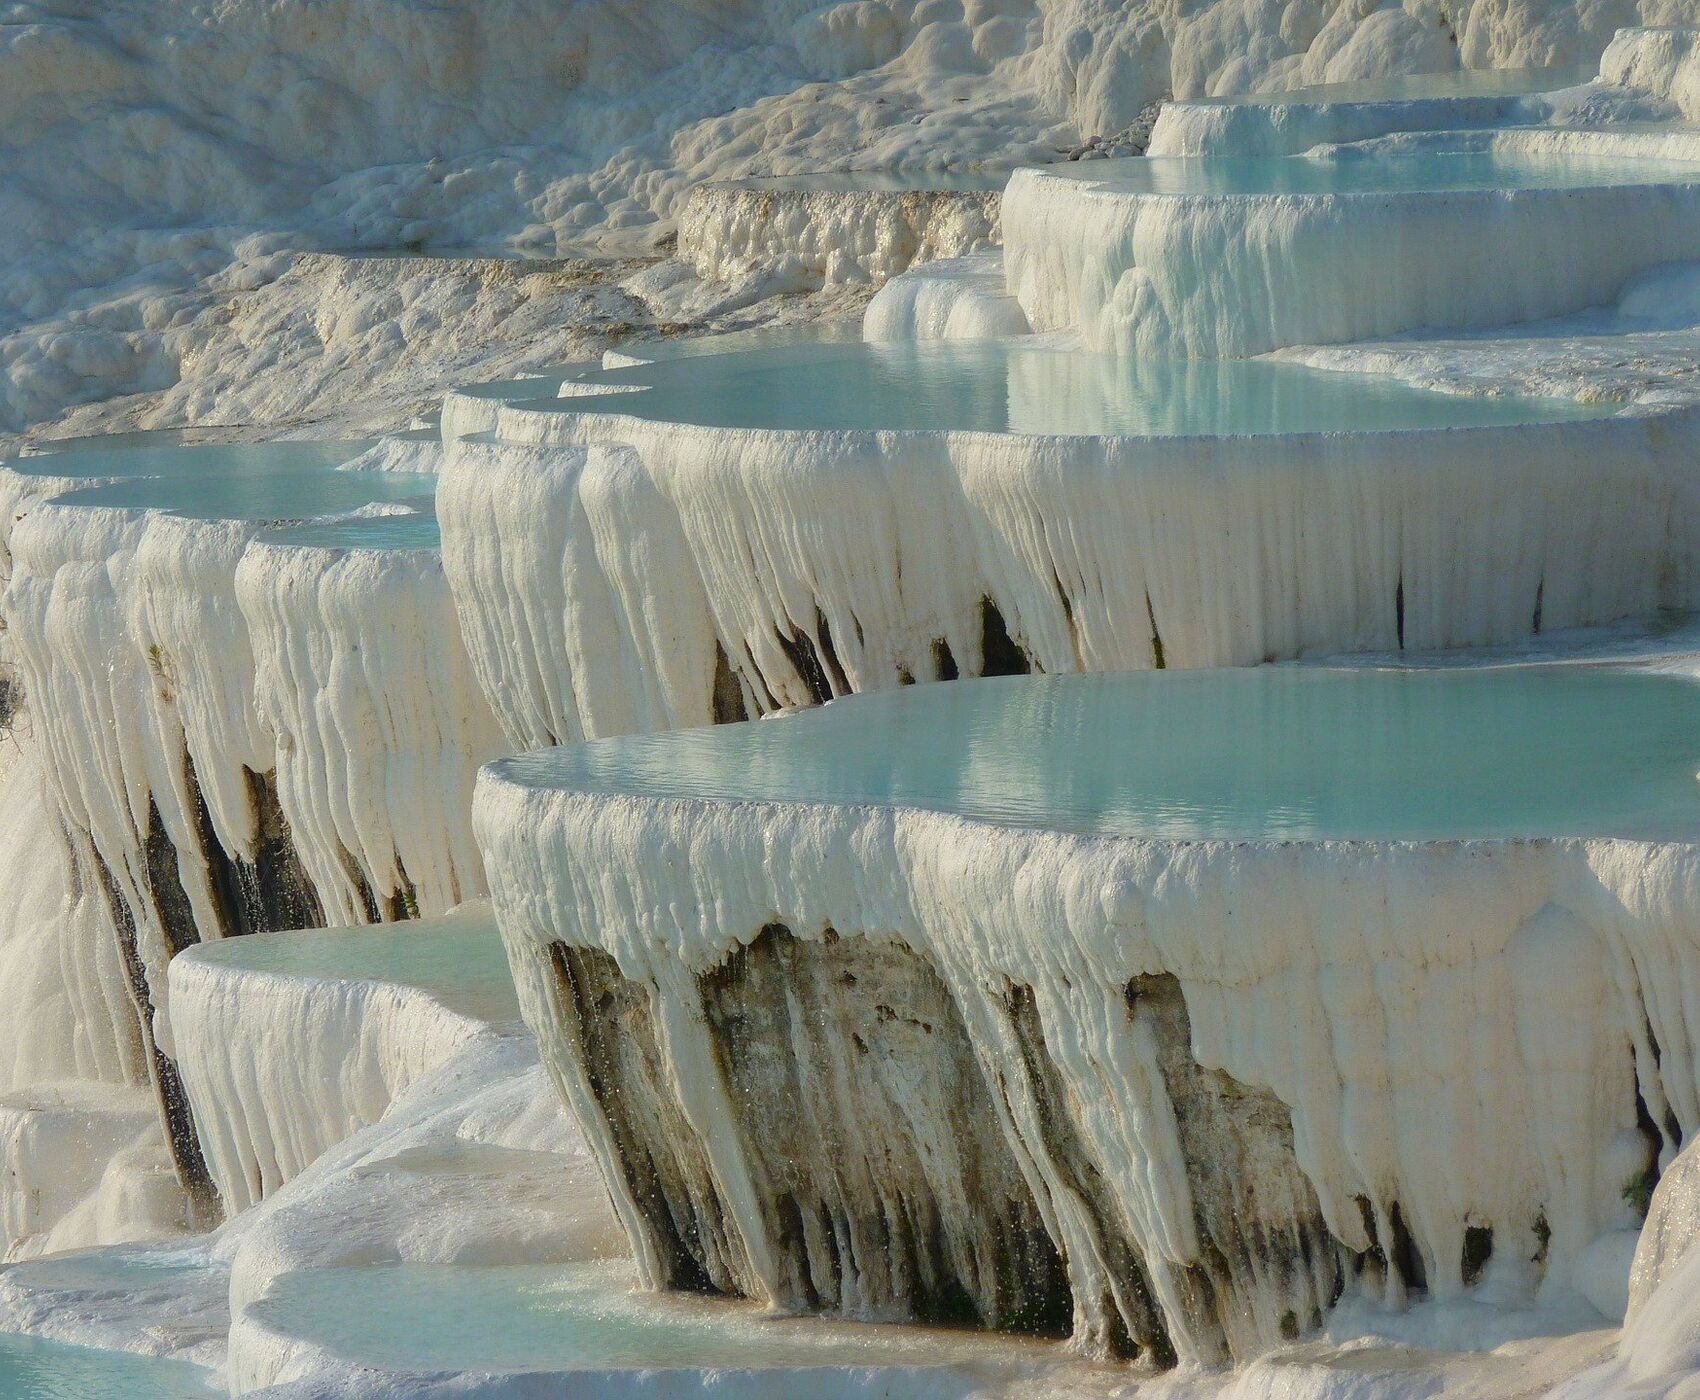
(1351, 902)
(1231, 256)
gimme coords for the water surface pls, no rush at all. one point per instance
(1345, 170)
(260, 493)
(34, 1369)
(413, 529)
(1021, 387)
(584, 1317)
(1276, 753)
(144, 454)
(459, 958)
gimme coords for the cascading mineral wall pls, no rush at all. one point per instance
(377, 726)
(187, 734)
(1235, 1077)
(282, 1064)
(1207, 276)
(615, 575)
(805, 238)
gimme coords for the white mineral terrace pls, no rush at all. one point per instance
(768, 529)
(289, 1043)
(812, 231)
(1291, 122)
(1315, 880)
(1159, 257)
(650, 982)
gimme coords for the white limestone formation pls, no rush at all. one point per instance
(376, 723)
(285, 1053)
(1166, 275)
(952, 299)
(1660, 62)
(814, 232)
(1396, 998)
(700, 573)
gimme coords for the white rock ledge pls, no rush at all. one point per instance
(289, 1043)
(615, 575)
(1397, 998)
(1172, 275)
(799, 239)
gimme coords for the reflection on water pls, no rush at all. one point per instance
(1026, 388)
(161, 454)
(1347, 170)
(459, 958)
(1460, 82)
(260, 492)
(33, 1369)
(1276, 753)
(413, 529)
(585, 1317)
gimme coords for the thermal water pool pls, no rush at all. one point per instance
(588, 1317)
(1356, 894)
(457, 959)
(261, 494)
(32, 1368)
(1372, 170)
(123, 457)
(408, 529)
(1227, 256)
(1285, 754)
(1023, 387)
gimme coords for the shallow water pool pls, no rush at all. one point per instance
(144, 454)
(414, 529)
(1007, 387)
(583, 1317)
(1348, 171)
(458, 957)
(1280, 753)
(259, 493)
(34, 1369)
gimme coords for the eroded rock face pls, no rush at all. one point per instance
(1267, 1266)
(855, 1147)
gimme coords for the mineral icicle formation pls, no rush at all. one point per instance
(1242, 1026)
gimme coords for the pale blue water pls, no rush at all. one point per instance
(33, 1369)
(1021, 388)
(145, 454)
(885, 181)
(141, 437)
(545, 381)
(1349, 172)
(460, 958)
(260, 493)
(417, 529)
(1462, 82)
(1270, 754)
(755, 338)
(582, 1317)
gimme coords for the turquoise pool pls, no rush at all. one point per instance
(1005, 387)
(584, 1317)
(1345, 171)
(458, 958)
(265, 494)
(144, 454)
(1288, 753)
(414, 529)
(34, 1369)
